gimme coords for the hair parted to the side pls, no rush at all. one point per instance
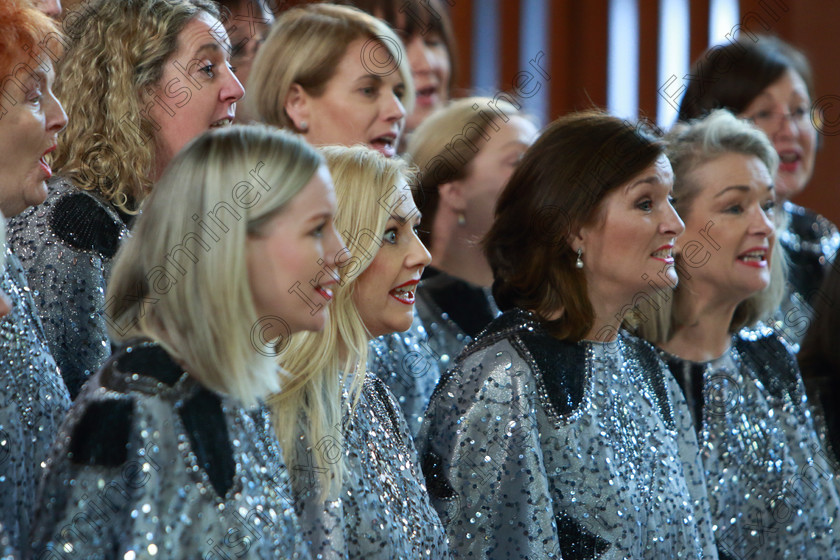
(183, 282)
(736, 73)
(557, 188)
(310, 403)
(427, 18)
(689, 146)
(445, 144)
(22, 25)
(117, 51)
(305, 46)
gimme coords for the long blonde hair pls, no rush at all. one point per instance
(305, 46)
(116, 51)
(310, 403)
(182, 278)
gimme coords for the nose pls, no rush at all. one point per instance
(232, 90)
(762, 223)
(671, 223)
(56, 118)
(418, 255)
(392, 109)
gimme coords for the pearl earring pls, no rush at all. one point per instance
(579, 261)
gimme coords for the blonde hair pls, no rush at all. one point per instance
(445, 144)
(182, 281)
(310, 403)
(305, 46)
(690, 146)
(117, 50)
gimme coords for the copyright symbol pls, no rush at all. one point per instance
(270, 335)
(820, 115)
(721, 394)
(377, 58)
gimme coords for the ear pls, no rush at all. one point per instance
(297, 106)
(452, 196)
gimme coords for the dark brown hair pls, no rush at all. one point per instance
(556, 189)
(732, 76)
(415, 17)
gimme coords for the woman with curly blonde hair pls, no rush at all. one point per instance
(355, 475)
(140, 78)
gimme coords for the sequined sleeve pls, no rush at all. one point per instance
(66, 245)
(483, 460)
(383, 509)
(145, 469)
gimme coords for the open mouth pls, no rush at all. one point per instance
(385, 145)
(405, 292)
(325, 293)
(754, 257)
(789, 161)
(664, 254)
(221, 123)
(427, 95)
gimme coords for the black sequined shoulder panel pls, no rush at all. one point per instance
(200, 409)
(82, 222)
(561, 366)
(101, 435)
(772, 362)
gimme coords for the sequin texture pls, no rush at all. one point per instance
(771, 489)
(66, 246)
(383, 511)
(410, 368)
(34, 401)
(539, 448)
(149, 463)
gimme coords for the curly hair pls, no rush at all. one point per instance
(116, 51)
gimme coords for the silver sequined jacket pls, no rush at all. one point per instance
(410, 368)
(771, 488)
(150, 464)
(33, 403)
(383, 511)
(66, 246)
(538, 448)
(810, 242)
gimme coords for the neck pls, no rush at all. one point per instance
(702, 326)
(457, 251)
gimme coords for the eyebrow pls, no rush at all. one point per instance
(402, 219)
(214, 46)
(740, 188)
(652, 180)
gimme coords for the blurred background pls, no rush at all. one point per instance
(633, 57)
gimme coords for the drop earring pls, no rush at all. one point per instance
(462, 220)
(579, 261)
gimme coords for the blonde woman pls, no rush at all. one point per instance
(336, 75)
(158, 455)
(357, 483)
(139, 79)
(763, 462)
(460, 182)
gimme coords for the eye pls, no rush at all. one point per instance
(208, 70)
(646, 205)
(799, 113)
(672, 201)
(734, 209)
(368, 91)
(769, 206)
(232, 68)
(319, 230)
(399, 91)
(390, 236)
